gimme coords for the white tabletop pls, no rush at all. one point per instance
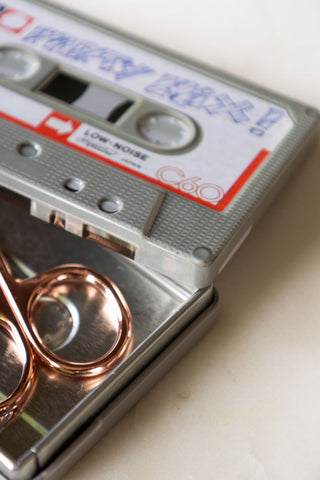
(245, 402)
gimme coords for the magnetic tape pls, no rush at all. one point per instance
(164, 163)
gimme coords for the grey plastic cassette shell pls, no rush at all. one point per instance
(163, 229)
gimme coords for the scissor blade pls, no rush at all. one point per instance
(13, 306)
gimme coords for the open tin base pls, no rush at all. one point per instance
(64, 415)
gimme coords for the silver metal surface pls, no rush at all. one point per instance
(60, 405)
(131, 394)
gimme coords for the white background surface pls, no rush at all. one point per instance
(245, 403)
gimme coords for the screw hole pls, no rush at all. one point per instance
(74, 184)
(29, 149)
(110, 205)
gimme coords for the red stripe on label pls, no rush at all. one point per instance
(237, 186)
(58, 127)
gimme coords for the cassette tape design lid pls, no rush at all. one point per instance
(165, 160)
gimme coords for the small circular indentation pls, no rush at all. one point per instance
(202, 256)
(17, 64)
(110, 205)
(74, 184)
(312, 112)
(29, 149)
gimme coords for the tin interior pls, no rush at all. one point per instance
(60, 405)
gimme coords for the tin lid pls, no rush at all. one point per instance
(145, 152)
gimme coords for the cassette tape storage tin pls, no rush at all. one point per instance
(155, 168)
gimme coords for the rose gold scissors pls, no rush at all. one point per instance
(19, 301)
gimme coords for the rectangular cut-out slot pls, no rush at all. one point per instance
(88, 97)
(110, 242)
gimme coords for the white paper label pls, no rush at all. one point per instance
(238, 129)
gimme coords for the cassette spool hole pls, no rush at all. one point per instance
(166, 130)
(16, 64)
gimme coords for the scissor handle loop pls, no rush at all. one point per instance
(14, 400)
(22, 297)
(69, 273)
